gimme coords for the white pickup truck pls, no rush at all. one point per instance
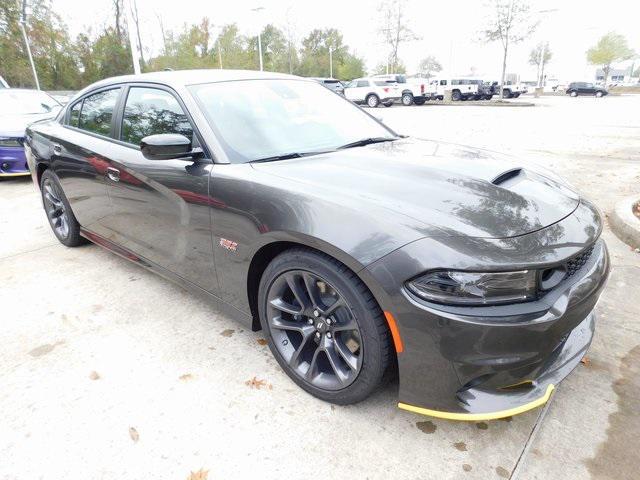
(413, 90)
(372, 91)
(514, 90)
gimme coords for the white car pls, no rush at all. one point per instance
(412, 90)
(461, 88)
(372, 91)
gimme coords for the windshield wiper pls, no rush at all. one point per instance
(367, 141)
(286, 156)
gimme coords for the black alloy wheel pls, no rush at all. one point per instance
(56, 212)
(324, 327)
(63, 223)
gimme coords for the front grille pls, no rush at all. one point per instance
(551, 277)
(577, 262)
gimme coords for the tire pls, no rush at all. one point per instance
(304, 354)
(516, 95)
(440, 97)
(388, 104)
(598, 94)
(372, 100)
(488, 97)
(456, 96)
(573, 93)
(407, 99)
(62, 221)
(507, 93)
(420, 101)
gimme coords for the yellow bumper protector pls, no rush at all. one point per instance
(474, 417)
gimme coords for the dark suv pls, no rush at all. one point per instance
(584, 88)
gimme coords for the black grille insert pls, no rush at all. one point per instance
(551, 277)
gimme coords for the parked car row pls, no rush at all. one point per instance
(18, 109)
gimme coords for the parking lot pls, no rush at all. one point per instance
(111, 372)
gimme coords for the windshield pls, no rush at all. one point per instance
(257, 119)
(25, 102)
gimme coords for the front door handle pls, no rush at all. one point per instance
(57, 149)
(113, 174)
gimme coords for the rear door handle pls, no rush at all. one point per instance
(113, 174)
(57, 149)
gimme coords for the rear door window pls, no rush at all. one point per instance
(97, 112)
(363, 83)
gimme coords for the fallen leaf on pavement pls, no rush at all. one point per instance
(199, 475)
(186, 376)
(586, 361)
(258, 384)
(94, 375)
(262, 341)
(133, 433)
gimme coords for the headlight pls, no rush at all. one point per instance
(475, 288)
(10, 142)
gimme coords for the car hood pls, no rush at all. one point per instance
(445, 189)
(15, 125)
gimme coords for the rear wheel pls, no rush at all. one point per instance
(324, 327)
(516, 95)
(456, 95)
(407, 99)
(61, 219)
(506, 93)
(420, 101)
(573, 93)
(598, 94)
(372, 100)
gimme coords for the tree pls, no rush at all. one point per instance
(395, 29)
(540, 56)
(50, 45)
(509, 22)
(314, 56)
(610, 49)
(428, 66)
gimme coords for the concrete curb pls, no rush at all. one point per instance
(624, 223)
(479, 103)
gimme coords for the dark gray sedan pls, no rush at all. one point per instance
(359, 252)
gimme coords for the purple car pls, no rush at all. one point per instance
(18, 109)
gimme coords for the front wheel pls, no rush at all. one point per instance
(456, 96)
(373, 101)
(598, 94)
(407, 99)
(573, 94)
(323, 326)
(61, 219)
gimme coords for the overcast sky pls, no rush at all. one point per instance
(447, 29)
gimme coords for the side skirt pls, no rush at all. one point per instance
(225, 308)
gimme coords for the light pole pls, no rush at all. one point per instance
(330, 61)
(23, 23)
(544, 51)
(259, 9)
(135, 59)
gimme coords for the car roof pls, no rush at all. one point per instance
(180, 78)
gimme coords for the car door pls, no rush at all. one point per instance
(160, 207)
(80, 149)
(589, 89)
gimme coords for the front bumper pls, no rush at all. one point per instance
(475, 363)
(13, 162)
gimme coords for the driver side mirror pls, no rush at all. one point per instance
(167, 146)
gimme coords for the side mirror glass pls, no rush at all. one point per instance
(166, 146)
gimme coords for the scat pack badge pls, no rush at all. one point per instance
(228, 244)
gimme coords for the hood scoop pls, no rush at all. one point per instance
(505, 179)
